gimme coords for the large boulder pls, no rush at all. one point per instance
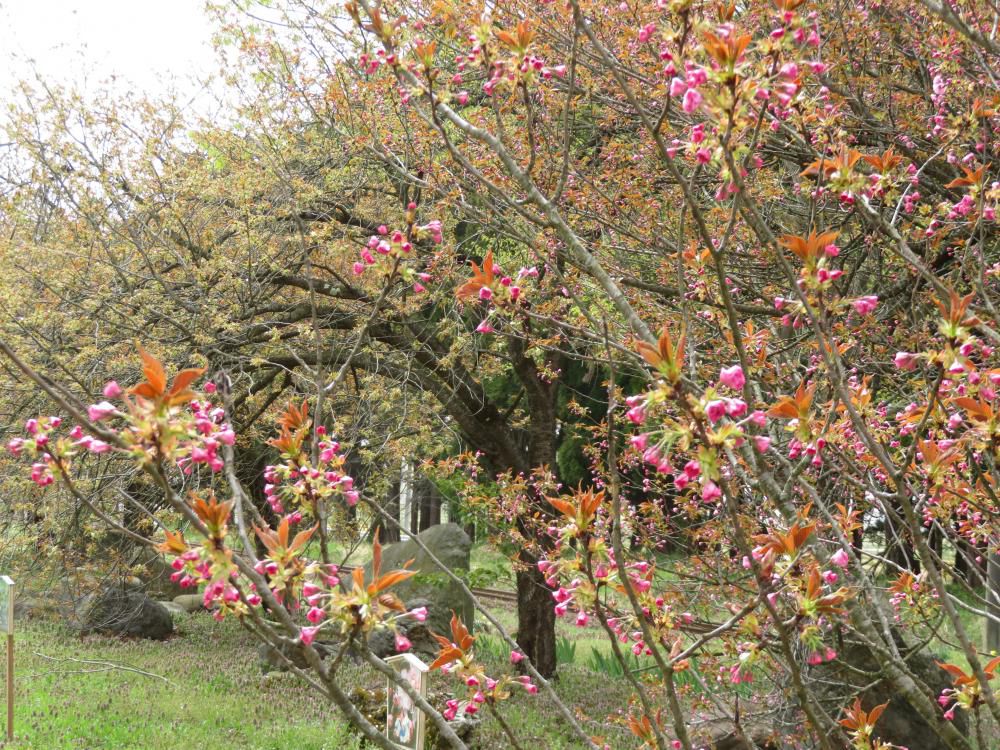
(855, 672)
(125, 611)
(431, 587)
(276, 659)
(175, 609)
(382, 642)
(190, 602)
(154, 575)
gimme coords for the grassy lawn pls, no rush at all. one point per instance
(204, 689)
(212, 694)
(209, 692)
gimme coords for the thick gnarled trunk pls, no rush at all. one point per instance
(536, 618)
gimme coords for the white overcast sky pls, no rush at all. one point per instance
(148, 44)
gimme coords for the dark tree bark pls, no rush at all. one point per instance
(993, 603)
(536, 634)
(250, 466)
(430, 504)
(536, 618)
(390, 531)
(966, 567)
(900, 548)
(414, 510)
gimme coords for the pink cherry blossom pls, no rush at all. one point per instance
(710, 492)
(733, 377)
(99, 411)
(308, 634)
(692, 100)
(840, 558)
(865, 305)
(905, 360)
(715, 410)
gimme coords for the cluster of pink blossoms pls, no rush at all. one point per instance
(481, 689)
(196, 567)
(499, 291)
(577, 594)
(37, 445)
(716, 407)
(213, 431)
(299, 483)
(396, 245)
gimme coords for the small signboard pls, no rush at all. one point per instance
(404, 722)
(6, 605)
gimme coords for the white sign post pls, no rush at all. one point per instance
(7, 626)
(404, 721)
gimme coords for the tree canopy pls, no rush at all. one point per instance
(688, 300)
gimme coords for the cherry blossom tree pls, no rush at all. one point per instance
(768, 230)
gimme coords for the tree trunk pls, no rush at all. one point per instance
(432, 504)
(993, 606)
(536, 634)
(428, 501)
(414, 511)
(536, 618)
(390, 531)
(966, 567)
(900, 548)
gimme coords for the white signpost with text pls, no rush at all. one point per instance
(7, 626)
(404, 721)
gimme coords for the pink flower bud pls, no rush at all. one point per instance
(865, 305)
(732, 377)
(308, 634)
(715, 410)
(905, 360)
(102, 410)
(710, 492)
(692, 100)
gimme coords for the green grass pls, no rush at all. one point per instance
(216, 696)
(213, 695)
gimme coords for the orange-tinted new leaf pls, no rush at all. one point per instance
(153, 372)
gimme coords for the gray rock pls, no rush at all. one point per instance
(173, 608)
(125, 612)
(155, 577)
(276, 660)
(190, 602)
(431, 587)
(382, 642)
(855, 670)
(36, 607)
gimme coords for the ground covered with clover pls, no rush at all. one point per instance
(205, 688)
